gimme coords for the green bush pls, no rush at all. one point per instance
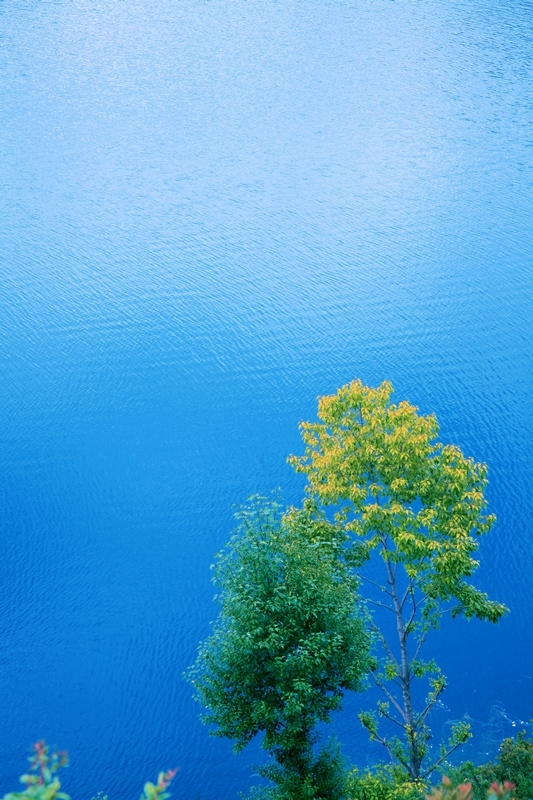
(480, 777)
(384, 783)
(468, 781)
(514, 763)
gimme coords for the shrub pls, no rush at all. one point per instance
(514, 764)
(447, 791)
(383, 783)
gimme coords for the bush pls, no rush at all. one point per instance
(384, 783)
(447, 791)
(479, 777)
(510, 773)
(514, 763)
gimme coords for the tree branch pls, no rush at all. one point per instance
(393, 756)
(423, 714)
(441, 759)
(424, 635)
(391, 698)
(382, 605)
(374, 583)
(384, 643)
(392, 719)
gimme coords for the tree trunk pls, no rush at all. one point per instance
(415, 759)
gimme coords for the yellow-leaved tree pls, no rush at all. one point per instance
(414, 509)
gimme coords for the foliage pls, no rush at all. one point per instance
(42, 782)
(419, 506)
(323, 776)
(158, 791)
(478, 776)
(386, 783)
(447, 791)
(514, 763)
(287, 643)
(383, 783)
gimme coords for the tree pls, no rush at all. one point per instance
(414, 509)
(287, 643)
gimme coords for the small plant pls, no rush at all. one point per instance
(42, 783)
(504, 792)
(447, 791)
(158, 791)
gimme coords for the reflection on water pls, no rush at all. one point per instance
(212, 212)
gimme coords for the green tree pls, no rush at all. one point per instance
(414, 509)
(287, 643)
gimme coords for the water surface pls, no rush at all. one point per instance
(212, 212)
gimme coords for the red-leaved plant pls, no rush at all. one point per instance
(42, 783)
(464, 791)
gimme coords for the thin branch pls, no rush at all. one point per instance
(411, 618)
(441, 759)
(406, 594)
(413, 583)
(423, 714)
(424, 636)
(385, 644)
(393, 756)
(391, 698)
(419, 646)
(382, 605)
(392, 719)
(374, 583)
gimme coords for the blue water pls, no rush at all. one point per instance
(212, 212)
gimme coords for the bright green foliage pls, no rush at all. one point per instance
(288, 642)
(42, 782)
(419, 506)
(383, 783)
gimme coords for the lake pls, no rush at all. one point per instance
(214, 211)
